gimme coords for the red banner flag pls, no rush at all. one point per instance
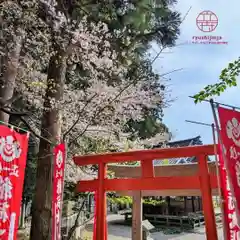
(230, 222)
(58, 180)
(13, 154)
(230, 134)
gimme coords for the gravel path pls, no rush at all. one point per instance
(119, 232)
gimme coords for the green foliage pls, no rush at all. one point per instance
(139, 21)
(147, 128)
(121, 200)
(89, 145)
(228, 78)
(135, 163)
(124, 200)
(154, 202)
(70, 192)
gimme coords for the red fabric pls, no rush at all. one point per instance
(226, 195)
(13, 154)
(230, 134)
(57, 191)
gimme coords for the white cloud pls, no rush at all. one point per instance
(202, 65)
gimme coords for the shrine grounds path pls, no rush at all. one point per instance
(119, 232)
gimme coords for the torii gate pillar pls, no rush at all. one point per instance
(137, 216)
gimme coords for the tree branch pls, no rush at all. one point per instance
(78, 118)
(21, 117)
(32, 131)
(9, 101)
(158, 54)
(98, 111)
(73, 228)
(14, 113)
(167, 73)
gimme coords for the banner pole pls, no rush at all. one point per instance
(223, 154)
(216, 161)
(220, 194)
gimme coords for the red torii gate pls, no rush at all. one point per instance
(204, 181)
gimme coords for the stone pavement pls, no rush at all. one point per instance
(119, 232)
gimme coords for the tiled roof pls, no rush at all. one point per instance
(182, 143)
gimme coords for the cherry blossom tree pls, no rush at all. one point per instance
(19, 25)
(78, 76)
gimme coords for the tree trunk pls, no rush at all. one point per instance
(9, 66)
(51, 129)
(185, 205)
(193, 204)
(168, 200)
(89, 203)
(200, 203)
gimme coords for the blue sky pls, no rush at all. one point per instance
(202, 65)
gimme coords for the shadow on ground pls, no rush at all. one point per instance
(116, 231)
